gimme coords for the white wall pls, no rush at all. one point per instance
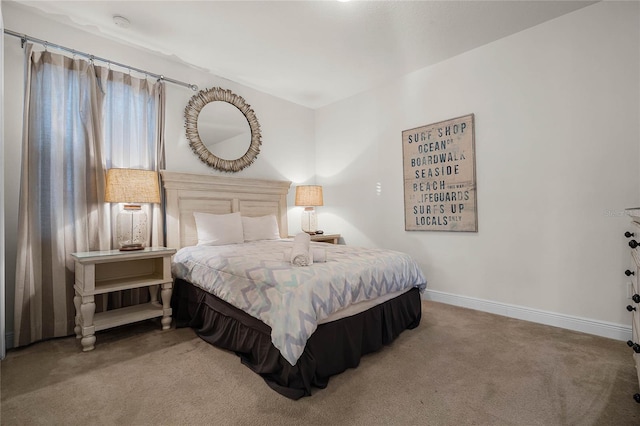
(557, 148)
(2, 243)
(287, 129)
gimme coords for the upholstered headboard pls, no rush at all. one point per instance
(187, 193)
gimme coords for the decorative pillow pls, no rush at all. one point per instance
(218, 229)
(260, 228)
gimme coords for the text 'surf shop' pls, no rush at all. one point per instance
(440, 176)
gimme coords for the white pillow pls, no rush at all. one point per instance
(260, 228)
(218, 229)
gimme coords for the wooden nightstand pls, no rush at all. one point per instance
(326, 238)
(99, 272)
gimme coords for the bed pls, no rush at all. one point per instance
(293, 347)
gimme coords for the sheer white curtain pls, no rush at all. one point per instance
(133, 140)
(133, 133)
(79, 120)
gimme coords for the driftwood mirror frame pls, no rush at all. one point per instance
(191, 113)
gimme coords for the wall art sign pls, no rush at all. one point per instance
(440, 176)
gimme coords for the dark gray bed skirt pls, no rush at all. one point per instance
(332, 348)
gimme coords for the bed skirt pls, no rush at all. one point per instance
(332, 348)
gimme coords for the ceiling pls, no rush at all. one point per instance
(312, 53)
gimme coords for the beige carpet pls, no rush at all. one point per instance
(459, 367)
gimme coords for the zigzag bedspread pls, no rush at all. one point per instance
(256, 278)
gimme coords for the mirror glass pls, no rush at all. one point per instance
(224, 130)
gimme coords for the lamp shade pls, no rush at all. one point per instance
(132, 186)
(309, 195)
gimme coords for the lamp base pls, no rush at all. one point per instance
(309, 221)
(131, 228)
(131, 247)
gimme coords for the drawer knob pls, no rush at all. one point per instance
(633, 244)
(628, 234)
(631, 308)
(629, 273)
(636, 298)
(634, 346)
(636, 397)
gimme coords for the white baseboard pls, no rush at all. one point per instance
(598, 328)
(585, 325)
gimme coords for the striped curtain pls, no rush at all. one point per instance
(68, 143)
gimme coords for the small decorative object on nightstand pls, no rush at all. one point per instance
(99, 272)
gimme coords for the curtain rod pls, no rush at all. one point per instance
(24, 38)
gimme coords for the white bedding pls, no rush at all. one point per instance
(293, 300)
(358, 307)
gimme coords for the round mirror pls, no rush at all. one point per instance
(222, 129)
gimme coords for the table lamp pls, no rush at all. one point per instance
(132, 187)
(309, 196)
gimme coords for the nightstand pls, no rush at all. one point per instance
(326, 238)
(99, 272)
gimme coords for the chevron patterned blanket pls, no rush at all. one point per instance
(256, 278)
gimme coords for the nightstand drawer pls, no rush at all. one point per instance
(324, 238)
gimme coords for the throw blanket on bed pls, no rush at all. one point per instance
(291, 300)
